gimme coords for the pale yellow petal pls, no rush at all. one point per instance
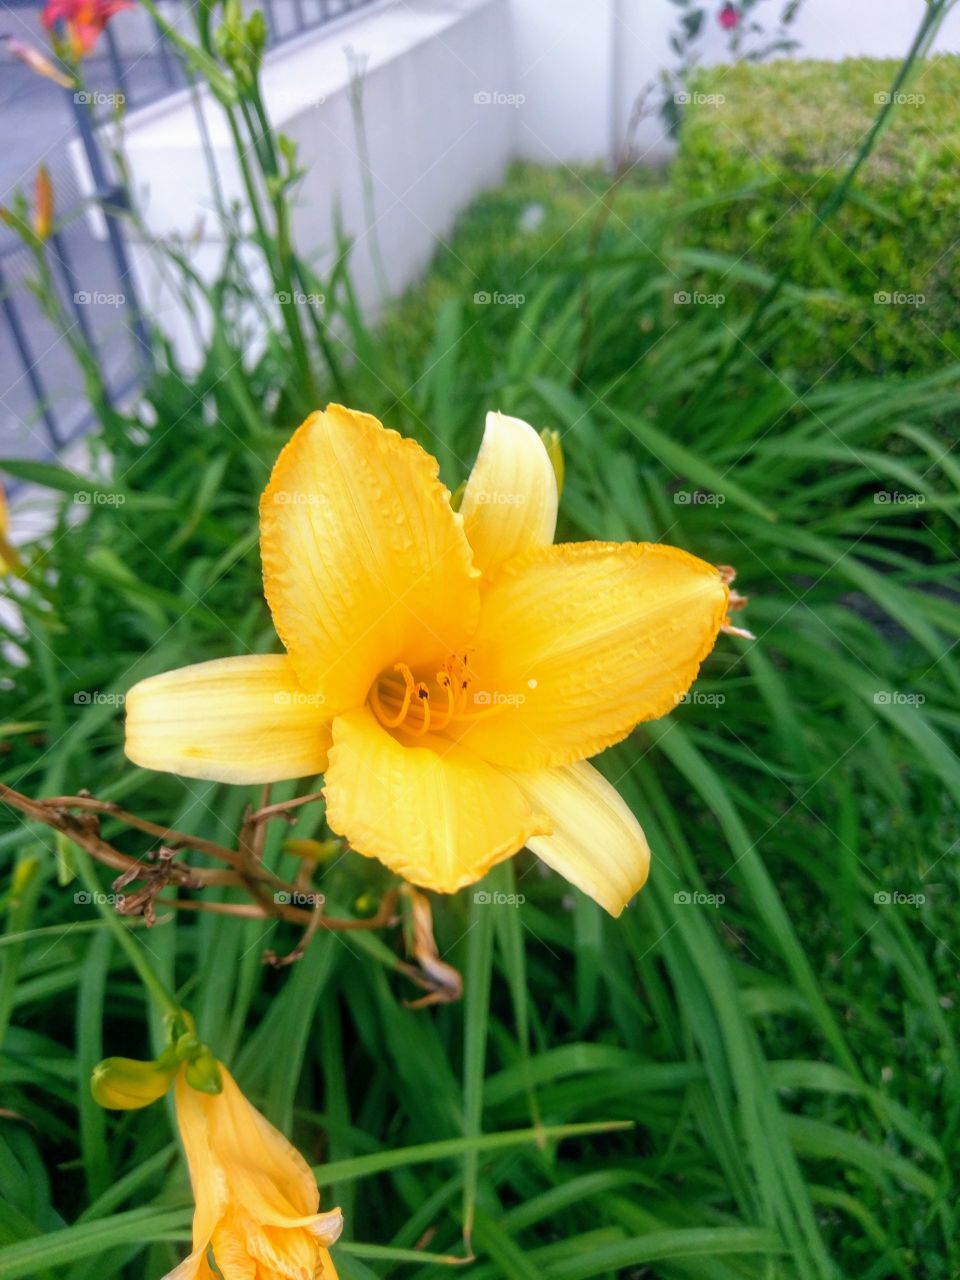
(364, 561)
(242, 720)
(580, 642)
(596, 843)
(510, 503)
(434, 813)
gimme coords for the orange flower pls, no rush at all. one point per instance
(84, 20)
(257, 1203)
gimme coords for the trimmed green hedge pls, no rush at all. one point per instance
(779, 137)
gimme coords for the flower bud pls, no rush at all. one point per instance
(42, 204)
(551, 442)
(203, 1073)
(125, 1084)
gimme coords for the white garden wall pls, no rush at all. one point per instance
(452, 90)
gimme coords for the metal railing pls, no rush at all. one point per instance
(43, 406)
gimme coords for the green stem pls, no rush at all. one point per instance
(135, 953)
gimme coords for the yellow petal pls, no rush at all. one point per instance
(435, 813)
(210, 1192)
(596, 843)
(510, 503)
(268, 1177)
(364, 562)
(580, 642)
(237, 720)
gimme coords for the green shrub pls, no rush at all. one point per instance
(779, 142)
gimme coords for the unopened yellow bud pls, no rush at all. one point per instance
(551, 440)
(42, 204)
(125, 1084)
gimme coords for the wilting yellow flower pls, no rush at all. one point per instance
(449, 672)
(257, 1203)
(39, 63)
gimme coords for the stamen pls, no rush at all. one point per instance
(446, 684)
(423, 693)
(391, 722)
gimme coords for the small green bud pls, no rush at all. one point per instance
(203, 1073)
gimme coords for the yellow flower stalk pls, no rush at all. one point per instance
(9, 559)
(449, 672)
(257, 1203)
(42, 204)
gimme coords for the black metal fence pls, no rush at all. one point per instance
(42, 402)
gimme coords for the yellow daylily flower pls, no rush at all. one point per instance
(257, 1203)
(449, 672)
